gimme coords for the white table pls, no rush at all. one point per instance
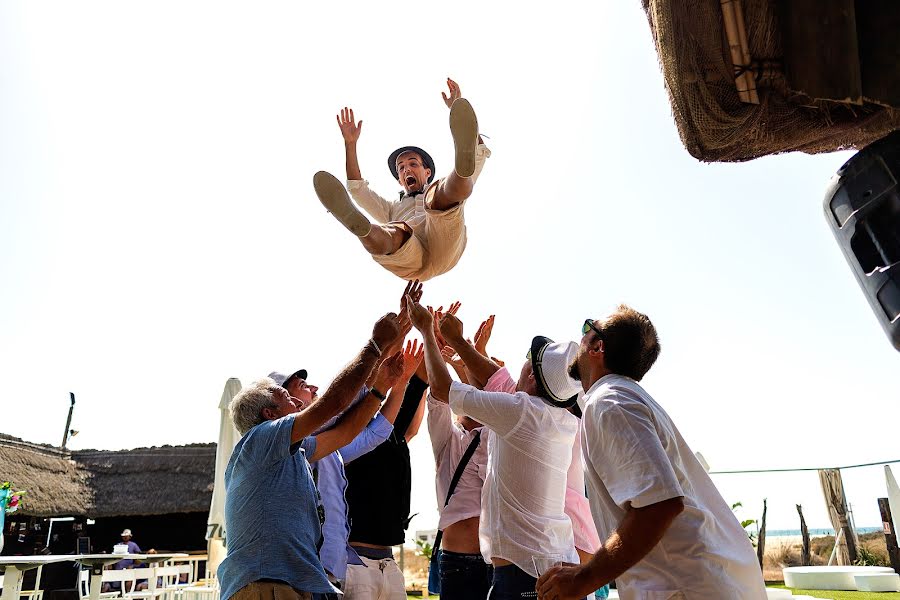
(15, 567)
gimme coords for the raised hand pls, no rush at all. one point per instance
(455, 93)
(452, 358)
(414, 291)
(350, 129)
(419, 315)
(483, 335)
(451, 328)
(412, 357)
(390, 372)
(386, 331)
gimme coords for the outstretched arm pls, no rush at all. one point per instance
(480, 367)
(346, 385)
(438, 376)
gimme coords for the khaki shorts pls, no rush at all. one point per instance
(269, 590)
(434, 247)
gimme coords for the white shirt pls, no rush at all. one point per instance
(449, 441)
(529, 451)
(633, 453)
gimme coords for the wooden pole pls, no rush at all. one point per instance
(805, 558)
(890, 536)
(761, 542)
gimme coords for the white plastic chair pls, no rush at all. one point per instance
(152, 591)
(84, 582)
(37, 593)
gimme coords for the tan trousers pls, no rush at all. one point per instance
(269, 590)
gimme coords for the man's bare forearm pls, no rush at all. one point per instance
(339, 394)
(438, 376)
(639, 532)
(353, 172)
(480, 367)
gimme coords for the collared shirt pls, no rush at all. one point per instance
(529, 451)
(633, 453)
(409, 209)
(271, 511)
(331, 479)
(449, 441)
(577, 506)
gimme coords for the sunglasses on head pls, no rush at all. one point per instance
(588, 326)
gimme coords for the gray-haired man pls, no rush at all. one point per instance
(271, 500)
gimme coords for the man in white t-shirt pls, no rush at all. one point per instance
(523, 523)
(669, 534)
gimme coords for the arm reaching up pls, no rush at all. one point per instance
(350, 131)
(438, 376)
(479, 367)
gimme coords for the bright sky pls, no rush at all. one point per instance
(159, 232)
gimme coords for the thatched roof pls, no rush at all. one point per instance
(101, 483)
(797, 109)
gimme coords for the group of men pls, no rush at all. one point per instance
(317, 489)
(531, 473)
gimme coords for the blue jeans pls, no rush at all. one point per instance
(512, 583)
(464, 576)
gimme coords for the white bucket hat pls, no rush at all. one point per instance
(550, 361)
(125, 532)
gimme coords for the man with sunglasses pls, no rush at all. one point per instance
(669, 534)
(423, 233)
(523, 522)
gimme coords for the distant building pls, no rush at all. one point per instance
(162, 494)
(426, 536)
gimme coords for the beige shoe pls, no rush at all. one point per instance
(333, 195)
(464, 129)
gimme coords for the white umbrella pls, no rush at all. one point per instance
(228, 439)
(893, 497)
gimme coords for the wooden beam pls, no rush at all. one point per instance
(890, 536)
(821, 53)
(877, 26)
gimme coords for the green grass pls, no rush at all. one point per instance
(835, 595)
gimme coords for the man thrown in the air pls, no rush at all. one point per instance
(423, 234)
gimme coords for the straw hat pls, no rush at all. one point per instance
(550, 361)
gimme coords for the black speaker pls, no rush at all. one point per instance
(862, 206)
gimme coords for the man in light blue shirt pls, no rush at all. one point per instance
(274, 527)
(369, 431)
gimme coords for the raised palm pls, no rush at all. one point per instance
(350, 129)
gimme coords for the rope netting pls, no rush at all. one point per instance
(713, 123)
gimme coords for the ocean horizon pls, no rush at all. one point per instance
(813, 532)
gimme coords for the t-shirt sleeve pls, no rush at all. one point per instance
(501, 412)
(626, 452)
(270, 441)
(308, 445)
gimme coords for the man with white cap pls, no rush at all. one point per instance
(423, 234)
(523, 525)
(669, 534)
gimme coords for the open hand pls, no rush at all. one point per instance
(350, 129)
(414, 291)
(412, 356)
(452, 358)
(390, 372)
(483, 335)
(455, 93)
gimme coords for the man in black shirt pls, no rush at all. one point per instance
(378, 491)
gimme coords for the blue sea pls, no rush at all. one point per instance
(814, 532)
